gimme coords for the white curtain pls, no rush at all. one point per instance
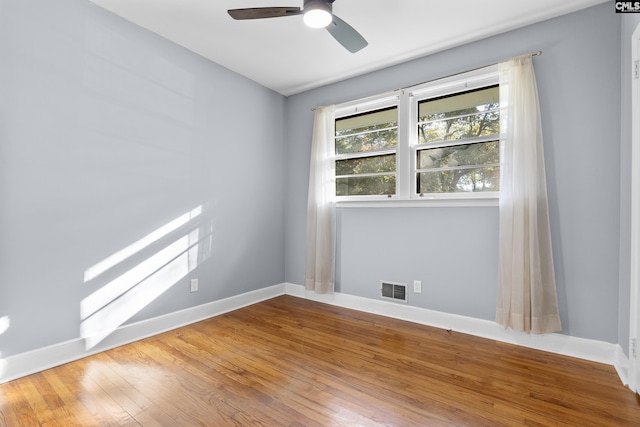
(527, 298)
(321, 213)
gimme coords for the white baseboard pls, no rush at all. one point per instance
(37, 360)
(621, 364)
(30, 362)
(596, 351)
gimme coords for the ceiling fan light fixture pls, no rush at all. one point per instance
(317, 13)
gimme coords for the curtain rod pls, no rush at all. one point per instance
(538, 53)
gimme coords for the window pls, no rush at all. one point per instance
(459, 147)
(438, 140)
(366, 146)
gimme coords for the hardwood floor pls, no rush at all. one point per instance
(293, 362)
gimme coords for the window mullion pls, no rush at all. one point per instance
(453, 142)
(347, 135)
(463, 167)
(364, 175)
(365, 154)
(404, 158)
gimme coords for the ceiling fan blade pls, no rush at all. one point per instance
(264, 12)
(346, 35)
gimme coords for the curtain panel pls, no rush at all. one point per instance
(527, 297)
(321, 210)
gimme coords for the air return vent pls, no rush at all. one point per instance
(395, 291)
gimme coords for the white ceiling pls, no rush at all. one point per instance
(288, 57)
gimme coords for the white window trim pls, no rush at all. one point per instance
(407, 102)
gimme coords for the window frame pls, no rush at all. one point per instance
(407, 101)
(363, 106)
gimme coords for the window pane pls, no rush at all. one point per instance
(460, 180)
(378, 140)
(378, 119)
(466, 115)
(482, 153)
(366, 185)
(458, 104)
(469, 126)
(373, 131)
(386, 163)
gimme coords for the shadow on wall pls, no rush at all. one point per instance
(129, 280)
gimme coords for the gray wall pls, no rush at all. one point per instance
(454, 250)
(629, 23)
(107, 133)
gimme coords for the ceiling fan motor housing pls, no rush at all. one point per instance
(318, 4)
(317, 13)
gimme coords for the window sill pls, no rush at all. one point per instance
(486, 201)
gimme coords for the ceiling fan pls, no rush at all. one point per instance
(316, 14)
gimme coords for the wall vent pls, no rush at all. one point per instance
(395, 291)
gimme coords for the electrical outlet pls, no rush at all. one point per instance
(194, 285)
(417, 287)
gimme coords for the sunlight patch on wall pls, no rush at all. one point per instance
(4, 327)
(112, 313)
(110, 306)
(113, 260)
(122, 284)
(4, 324)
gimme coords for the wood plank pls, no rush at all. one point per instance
(16, 409)
(293, 362)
